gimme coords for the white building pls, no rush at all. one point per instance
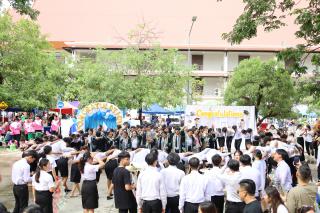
(80, 25)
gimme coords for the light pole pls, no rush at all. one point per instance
(194, 18)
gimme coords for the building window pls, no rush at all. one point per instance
(198, 86)
(197, 60)
(243, 57)
(216, 92)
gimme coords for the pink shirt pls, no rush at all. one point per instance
(15, 128)
(28, 127)
(55, 124)
(37, 125)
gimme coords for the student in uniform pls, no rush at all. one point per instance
(75, 176)
(89, 190)
(172, 177)
(122, 183)
(151, 193)
(43, 186)
(47, 150)
(20, 178)
(193, 188)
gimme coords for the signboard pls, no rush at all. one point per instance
(220, 116)
(3, 106)
(60, 104)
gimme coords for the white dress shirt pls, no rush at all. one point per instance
(172, 177)
(150, 186)
(248, 172)
(282, 176)
(52, 162)
(262, 167)
(45, 181)
(90, 171)
(193, 189)
(231, 182)
(21, 172)
(215, 186)
(237, 135)
(59, 148)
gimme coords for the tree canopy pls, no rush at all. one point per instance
(131, 78)
(264, 85)
(30, 75)
(24, 7)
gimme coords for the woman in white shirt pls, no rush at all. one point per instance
(273, 202)
(89, 190)
(43, 186)
(308, 138)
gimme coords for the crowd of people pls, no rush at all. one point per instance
(152, 168)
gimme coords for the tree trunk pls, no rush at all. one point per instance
(140, 115)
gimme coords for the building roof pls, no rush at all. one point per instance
(104, 23)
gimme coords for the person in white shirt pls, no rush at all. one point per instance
(215, 186)
(58, 149)
(89, 190)
(231, 181)
(260, 165)
(47, 150)
(309, 139)
(248, 172)
(300, 140)
(20, 178)
(172, 177)
(237, 137)
(151, 193)
(193, 188)
(43, 186)
(272, 201)
(282, 176)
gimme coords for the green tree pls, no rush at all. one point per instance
(24, 7)
(264, 85)
(132, 78)
(30, 75)
(271, 15)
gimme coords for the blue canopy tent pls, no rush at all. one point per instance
(156, 109)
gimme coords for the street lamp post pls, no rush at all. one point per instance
(194, 18)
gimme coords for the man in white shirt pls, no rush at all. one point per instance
(215, 186)
(237, 137)
(231, 181)
(282, 175)
(261, 165)
(151, 194)
(248, 172)
(58, 149)
(20, 178)
(172, 177)
(193, 189)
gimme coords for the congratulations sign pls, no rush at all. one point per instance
(220, 116)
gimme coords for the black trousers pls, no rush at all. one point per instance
(229, 142)
(44, 200)
(152, 206)
(21, 196)
(218, 201)
(190, 207)
(237, 144)
(318, 172)
(315, 146)
(309, 146)
(133, 210)
(172, 205)
(234, 207)
(300, 141)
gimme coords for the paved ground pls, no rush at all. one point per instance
(65, 203)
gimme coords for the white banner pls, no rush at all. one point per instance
(220, 116)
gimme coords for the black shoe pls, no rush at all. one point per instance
(67, 190)
(109, 197)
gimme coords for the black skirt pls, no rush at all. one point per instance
(75, 176)
(44, 200)
(221, 141)
(89, 194)
(111, 165)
